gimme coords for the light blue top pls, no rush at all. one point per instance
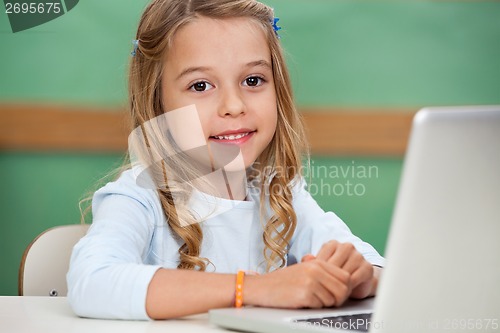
(129, 240)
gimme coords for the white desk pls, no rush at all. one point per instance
(25, 314)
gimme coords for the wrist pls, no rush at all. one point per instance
(238, 301)
(252, 290)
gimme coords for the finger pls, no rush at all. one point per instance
(308, 257)
(369, 287)
(353, 262)
(327, 250)
(313, 293)
(336, 281)
(316, 302)
(342, 254)
(325, 296)
(363, 274)
(363, 290)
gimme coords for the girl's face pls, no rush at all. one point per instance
(224, 68)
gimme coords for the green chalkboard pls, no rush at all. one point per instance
(349, 53)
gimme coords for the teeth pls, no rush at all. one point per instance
(231, 137)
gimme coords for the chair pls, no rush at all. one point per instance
(45, 261)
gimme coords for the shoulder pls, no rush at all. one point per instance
(127, 190)
(309, 213)
(299, 190)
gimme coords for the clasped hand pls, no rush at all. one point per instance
(337, 272)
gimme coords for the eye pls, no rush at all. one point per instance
(253, 81)
(201, 86)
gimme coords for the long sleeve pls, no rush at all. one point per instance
(108, 277)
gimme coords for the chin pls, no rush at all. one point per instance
(239, 164)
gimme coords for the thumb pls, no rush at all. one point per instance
(308, 257)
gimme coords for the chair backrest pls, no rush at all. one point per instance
(46, 261)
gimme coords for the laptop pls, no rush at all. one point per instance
(443, 250)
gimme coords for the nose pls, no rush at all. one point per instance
(232, 104)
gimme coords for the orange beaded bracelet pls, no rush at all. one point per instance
(238, 301)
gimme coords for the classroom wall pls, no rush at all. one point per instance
(359, 54)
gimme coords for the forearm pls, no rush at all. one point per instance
(175, 293)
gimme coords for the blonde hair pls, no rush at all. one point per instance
(278, 165)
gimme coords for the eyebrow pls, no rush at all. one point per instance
(259, 63)
(189, 70)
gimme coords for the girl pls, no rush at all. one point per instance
(174, 234)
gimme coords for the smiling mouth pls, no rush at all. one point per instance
(231, 137)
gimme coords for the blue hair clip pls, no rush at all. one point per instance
(276, 27)
(136, 45)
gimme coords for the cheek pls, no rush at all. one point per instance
(173, 97)
(205, 119)
(185, 127)
(268, 110)
(271, 117)
(273, 125)
(274, 117)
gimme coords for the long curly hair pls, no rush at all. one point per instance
(279, 164)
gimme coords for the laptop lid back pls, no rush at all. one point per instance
(443, 253)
